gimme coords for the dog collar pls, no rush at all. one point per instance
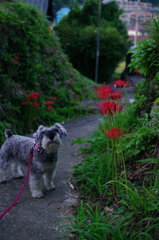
(38, 148)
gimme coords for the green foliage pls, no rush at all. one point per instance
(92, 223)
(140, 143)
(80, 44)
(3, 126)
(23, 59)
(95, 171)
(31, 60)
(89, 224)
(142, 203)
(130, 209)
(145, 58)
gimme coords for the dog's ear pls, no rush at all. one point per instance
(38, 132)
(60, 129)
(8, 133)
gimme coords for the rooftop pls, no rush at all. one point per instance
(45, 6)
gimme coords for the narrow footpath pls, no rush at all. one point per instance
(35, 219)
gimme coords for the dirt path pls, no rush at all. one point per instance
(34, 219)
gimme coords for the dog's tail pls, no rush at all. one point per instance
(8, 133)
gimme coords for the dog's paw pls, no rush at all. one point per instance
(37, 194)
(18, 175)
(51, 186)
(4, 179)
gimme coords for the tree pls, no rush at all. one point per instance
(78, 34)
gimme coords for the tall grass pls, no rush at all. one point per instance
(122, 198)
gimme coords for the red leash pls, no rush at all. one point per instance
(24, 184)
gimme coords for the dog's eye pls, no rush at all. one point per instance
(51, 135)
(56, 130)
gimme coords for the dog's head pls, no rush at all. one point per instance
(50, 137)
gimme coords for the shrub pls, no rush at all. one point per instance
(31, 60)
(145, 58)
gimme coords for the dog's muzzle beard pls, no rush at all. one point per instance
(51, 145)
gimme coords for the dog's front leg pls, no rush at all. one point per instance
(35, 183)
(48, 180)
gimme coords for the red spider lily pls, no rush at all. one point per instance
(137, 71)
(49, 107)
(34, 118)
(109, 108)
(25, 103)
(16, 59)
(104, 92)
(77, 97)
(103, 87)
(49, 102)
(36, 104)
(33, 96)
(116, 95)
(114, 133)
(121, 83)
(53, 98)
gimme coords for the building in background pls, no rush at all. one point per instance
(61, 13)
(135, 16)
(45, 6)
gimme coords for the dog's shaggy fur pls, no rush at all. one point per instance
(15, 153)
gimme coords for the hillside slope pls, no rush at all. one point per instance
(31, 60)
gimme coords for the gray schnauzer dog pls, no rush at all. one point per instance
(15, 153)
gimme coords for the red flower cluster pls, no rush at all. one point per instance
(116, 95)
(77, 97)
(34, 118)
(110, 108)
(121, 83)
(50, 103)
(33, 96)
(36, 104)
(137, 72)
(105, 92)
(53, 98)
(16, 59)
(114, 133)
(32, 99)
(25, 103)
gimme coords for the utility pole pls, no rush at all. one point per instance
(98, 41)
(98, 36)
